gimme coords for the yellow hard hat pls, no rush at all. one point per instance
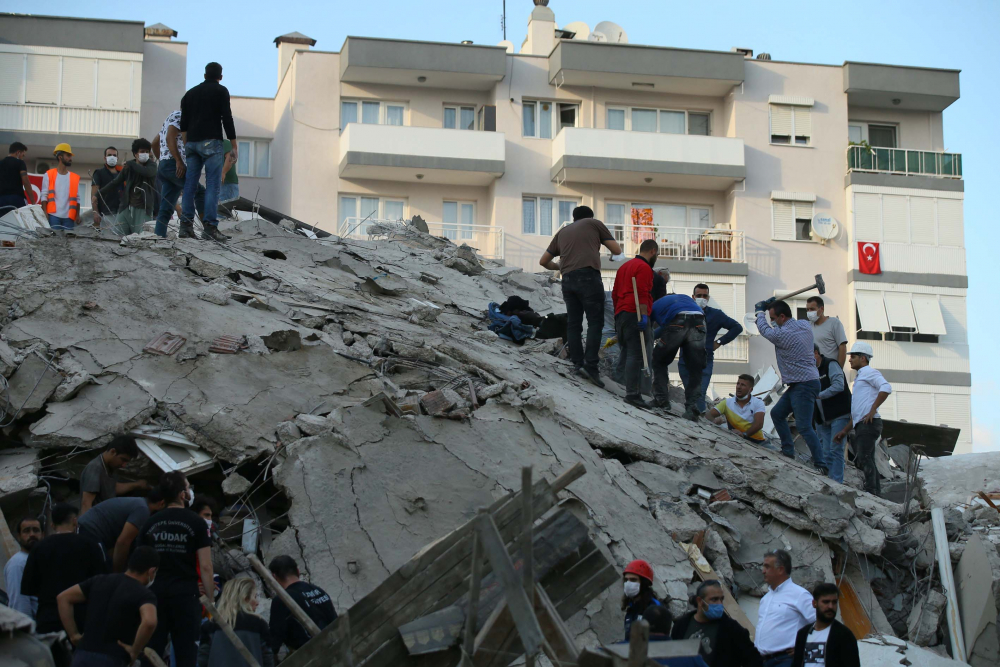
(62, 148)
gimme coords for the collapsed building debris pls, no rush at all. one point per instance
(349, 402)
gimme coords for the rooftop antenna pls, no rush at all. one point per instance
(503, 20)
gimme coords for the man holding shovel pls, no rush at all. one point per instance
(681, 326)
(632, 295)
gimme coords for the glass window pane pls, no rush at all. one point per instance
(567, 115)
(643, 120)
(348, 113)
(369, 112)
(369, 207)
(262, 159)
(449, 118)
(545, 216)
(698, 124)
(528, 116)
(700, 218)
(672, 122)
(854, 133)
(468, 118)
(565, 212)
(528, 215)
(243, 158)
(393, 210)
(468, 219)
(449, 216)
(545, 120)
(616, 119)
(616, 220)
(393, 115)
(882, 135)
(348, 211)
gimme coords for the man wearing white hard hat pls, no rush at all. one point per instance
(870, 391)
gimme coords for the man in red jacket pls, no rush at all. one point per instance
(628, 326)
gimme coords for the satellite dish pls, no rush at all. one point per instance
(581, 29)
(825, 227)
(507, 45)
(611, 31)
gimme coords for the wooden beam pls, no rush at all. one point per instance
(276, 588)
(153, 657)
(577, 471)
(559, 643)
(729, 603)
(638, 643)
(228, 631)
(474, 581)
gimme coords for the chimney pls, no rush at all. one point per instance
(160, 33)
(541, 37)
(288, 45)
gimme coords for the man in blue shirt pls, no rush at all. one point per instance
(715, 320)
(681, 326)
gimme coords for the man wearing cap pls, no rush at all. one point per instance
(870, 391)
(61, 190)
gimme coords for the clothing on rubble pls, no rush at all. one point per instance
(508, 327)
(546, 327)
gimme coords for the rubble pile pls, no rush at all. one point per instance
(358, 382)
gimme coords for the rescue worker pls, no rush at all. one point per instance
(638, 595)
(61, 190)
(629, 326)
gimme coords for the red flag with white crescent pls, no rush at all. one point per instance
(868, 257)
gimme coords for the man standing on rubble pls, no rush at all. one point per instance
(205, 112)
(828, 332)
(61, 190)
(172, 172)
(724, 642)
(15, 188)
(715, 321)
(98, 481)
(785, 609)
(833, 411)
(312, 599)
(793, 349)
(681, 327)
(629, 325)
(870, 391)
(28, 533)
(105, 206)
(578, 245)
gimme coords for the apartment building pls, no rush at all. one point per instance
(92, 83)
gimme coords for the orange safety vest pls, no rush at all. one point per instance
(74, 199)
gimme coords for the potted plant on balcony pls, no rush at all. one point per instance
(860, 159)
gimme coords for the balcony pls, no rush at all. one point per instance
(52, 119)
(904, 162)
(897, 88)
(618, 157)
(486, 239)
(426, 154)
(686, 244)
(430, 64)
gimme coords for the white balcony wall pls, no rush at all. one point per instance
(69, 120)
(421, 141)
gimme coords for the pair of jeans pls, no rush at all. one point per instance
(60, 223)
(706, 378)
(783, 660)
(170, 189)
(834, 450)
(179, 618)
(865, 437)
(208, 155)
(630, 357)
(229, 192)
(583, 292)
(799, 398)
(685, 333)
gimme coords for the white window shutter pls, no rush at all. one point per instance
(783, 225)
(871, 309)
(136, 85)
(43, 80)
(803, 210)
(913, 406)
(781, 120)
(724, 297)
(922, 221)
(899, 309)
(895, 219)
(114, 83)
(803, 121)
(953, 410)
(953, 312)
(927, 311)
(950, 227)
(78, 82)
(11, 78)
(867, 217)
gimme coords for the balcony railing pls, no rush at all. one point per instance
(737, 350)
(486, 239)
(69, 120)
(693, 244)
(904, 161)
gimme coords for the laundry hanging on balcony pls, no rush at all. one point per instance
(642, 225)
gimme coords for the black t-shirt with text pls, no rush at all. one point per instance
(114, 601)
(176, 533)
(314, 601)
(58, 562)
(10, 176)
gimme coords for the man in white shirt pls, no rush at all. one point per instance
(785, 609)
(870, 391)
(28, 533)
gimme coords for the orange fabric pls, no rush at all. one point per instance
(74, 191)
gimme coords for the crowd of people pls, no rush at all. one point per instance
(652, 328)
(122, 573)
(200, 136)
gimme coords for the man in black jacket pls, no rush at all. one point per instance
(724, 642)
(826, 642)
(205, 113)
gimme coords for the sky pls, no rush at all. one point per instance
(959, 35)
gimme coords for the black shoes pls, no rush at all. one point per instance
(588, 374)
(665, 404)
(186, 231)
(638, 402)
(212, 233)
(691, 414)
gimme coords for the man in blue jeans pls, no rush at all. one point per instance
(171, 173)
(205, 112)
(793, 348)
(833, 411)
(715, 320)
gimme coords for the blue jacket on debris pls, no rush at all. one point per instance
(508, 327)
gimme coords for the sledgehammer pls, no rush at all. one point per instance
(820, 286)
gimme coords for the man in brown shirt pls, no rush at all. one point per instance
(579, 247)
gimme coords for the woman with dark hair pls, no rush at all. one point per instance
(639, 595)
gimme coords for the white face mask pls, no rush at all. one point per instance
(143, 157)
(190, 493)
(702, 302)
(631, 589)
(112, 160)
(812, 315)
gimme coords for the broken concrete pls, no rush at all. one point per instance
(925, 619)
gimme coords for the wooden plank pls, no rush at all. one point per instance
(852, 612)
(948, 583)
(153, 657)
(729, 603)
(474, 581)
(559, 641)
(575, 472)
(296, 611)
(228, 631)
(638, 643)
(597, 584)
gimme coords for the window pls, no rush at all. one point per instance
(460, 118)
(356, 213)
(882, 136)
(254, 158)
(542, 120)
(568, 114)
(542, 216)
(371, 112)
(790, 124)
(458, 218)
(899, 316)
(678, 229)
(665, 121)
(791, 220)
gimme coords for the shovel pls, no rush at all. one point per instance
(642, 334)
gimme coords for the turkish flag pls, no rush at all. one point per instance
(868, 258)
